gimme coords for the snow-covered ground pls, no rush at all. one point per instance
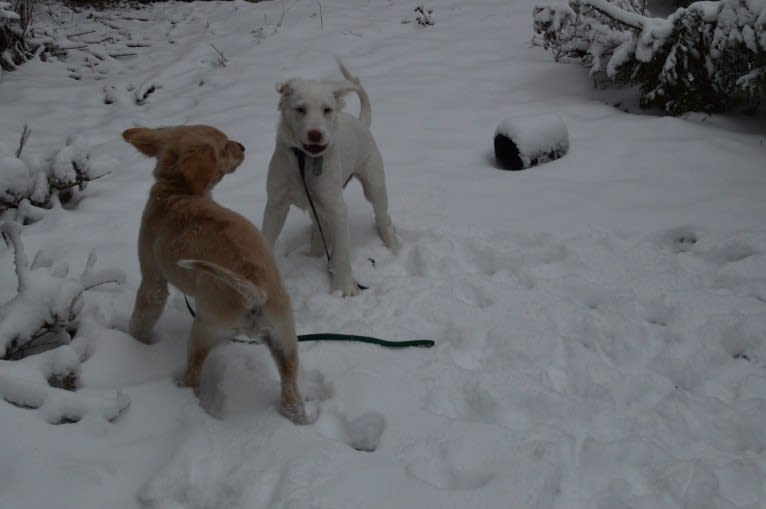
(600, 320)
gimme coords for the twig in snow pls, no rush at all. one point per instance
(222, 60)
(81, 33)
(424, 16)
(285, 10)
(321, 18)
(25, 133)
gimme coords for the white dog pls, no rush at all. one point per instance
(332, 147)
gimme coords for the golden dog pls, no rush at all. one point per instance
(211, 253)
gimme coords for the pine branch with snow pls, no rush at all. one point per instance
(710, 56)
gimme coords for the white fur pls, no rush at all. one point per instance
(312, 108)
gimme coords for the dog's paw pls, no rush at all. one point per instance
(346, 285)
(296, 413)
(351, 291)
(388, 237)
(189, 378)
(393, 245)
(145, 337)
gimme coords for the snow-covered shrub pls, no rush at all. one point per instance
(45, 312)
(19, 41)
(40, 351)
(29, 183)
(30, 383)
(710, 56)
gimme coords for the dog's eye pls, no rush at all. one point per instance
(327, 110)
(300, 110)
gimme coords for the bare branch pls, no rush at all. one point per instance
(222, 60)
(81, 33)
(285, 10)
(25, 134)
(321, 18)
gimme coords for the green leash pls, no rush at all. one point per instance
(329, 336)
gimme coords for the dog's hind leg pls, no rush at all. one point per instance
(286, 358)
(150, 301)
(203, 338)
(374, 187)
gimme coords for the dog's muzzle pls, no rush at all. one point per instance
(314, 150)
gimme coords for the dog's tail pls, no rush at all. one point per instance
(365, 113)
(254, 295)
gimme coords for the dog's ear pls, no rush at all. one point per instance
(199, 166)
(285, 90)
(146, 140)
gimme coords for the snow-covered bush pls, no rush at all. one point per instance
(45, 312)
(18, 39)
(710, 56)
(47, 384)
(41, 352)
(29, 183)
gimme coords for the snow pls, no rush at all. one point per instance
(537, 139)
(600, 321)
(6, 12)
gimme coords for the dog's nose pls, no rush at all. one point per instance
(314, 135)
(241, 147)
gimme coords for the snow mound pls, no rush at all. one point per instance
(529, 141)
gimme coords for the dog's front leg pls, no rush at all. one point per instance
(150, 301)
(341, 256)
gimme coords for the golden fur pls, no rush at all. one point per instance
(211, 253)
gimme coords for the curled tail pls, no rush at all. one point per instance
(365, 113)
(254, 295)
